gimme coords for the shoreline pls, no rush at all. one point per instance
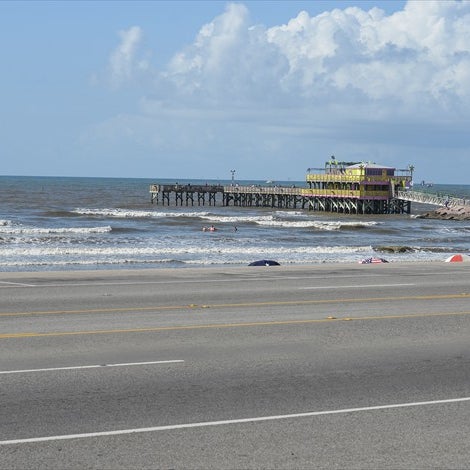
(175, 273)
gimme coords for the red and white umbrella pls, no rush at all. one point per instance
(457, 258)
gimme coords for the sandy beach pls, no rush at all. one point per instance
(202, 272)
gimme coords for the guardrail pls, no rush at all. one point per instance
(432, 199)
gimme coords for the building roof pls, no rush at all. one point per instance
(371, 165)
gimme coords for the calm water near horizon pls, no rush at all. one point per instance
(58, 223)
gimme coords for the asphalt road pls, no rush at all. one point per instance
(328, 366)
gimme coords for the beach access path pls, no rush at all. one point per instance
(325, 366)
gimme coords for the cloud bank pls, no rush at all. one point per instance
(361, 83)
(420, 53)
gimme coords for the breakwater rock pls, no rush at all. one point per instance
(394, 249)
(448, 213)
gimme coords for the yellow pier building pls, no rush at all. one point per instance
(358, 187)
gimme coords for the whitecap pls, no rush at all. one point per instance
(320, 225)
(52, 231)
(236, 219)
(135, 214)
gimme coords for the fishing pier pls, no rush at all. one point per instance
(233, 195)
(343, 187)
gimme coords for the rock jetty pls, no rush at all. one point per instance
(454, 212)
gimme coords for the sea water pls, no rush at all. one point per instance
(54, 223)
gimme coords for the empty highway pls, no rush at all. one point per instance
(326, 366)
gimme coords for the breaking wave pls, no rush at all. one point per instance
(319, 225)
(224, 219)
(135, 214)
(281, 221)
(62, 256)
(51, 231)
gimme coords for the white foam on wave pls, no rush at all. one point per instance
(320, 225)
(132, 250)
(135, 214)
(277, 219)
(24, 256)
(290, 214)
(458, 230)
(224, 219)
(51, 231)
(64, 256)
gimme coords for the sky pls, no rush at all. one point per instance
(195, 89)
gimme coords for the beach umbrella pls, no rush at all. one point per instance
(373, 260)
(457, 258)
(264, 262)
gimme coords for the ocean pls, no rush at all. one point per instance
(58, 223)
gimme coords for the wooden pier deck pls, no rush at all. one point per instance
(324, 200)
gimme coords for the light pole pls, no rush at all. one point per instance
(411, 169)
(233, 176)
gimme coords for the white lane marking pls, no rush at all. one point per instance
(95, 366)
(16, 284)
(176, 281)
(229, 421)
(357, 286)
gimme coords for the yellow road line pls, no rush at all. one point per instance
(236, 305)
(230, 325)
(97, 310)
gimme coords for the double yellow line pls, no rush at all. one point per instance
(157, 308)
(228, 325)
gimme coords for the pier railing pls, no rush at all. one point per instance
(349, 178)
(306, 192)
(280, 191)
(254, 189)
(432, 199)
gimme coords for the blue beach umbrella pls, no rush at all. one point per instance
(264, 262)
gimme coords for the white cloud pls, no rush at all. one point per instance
(418, 56)
(359, 81)
(229, 61)
(123, 63)
(407, 57)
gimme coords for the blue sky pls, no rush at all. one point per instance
(194, 89)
